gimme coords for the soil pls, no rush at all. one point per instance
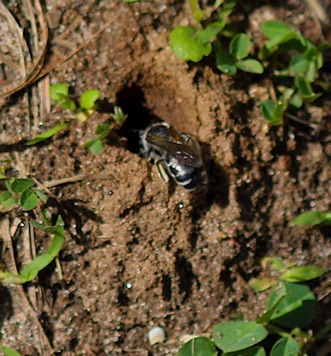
(140, 252)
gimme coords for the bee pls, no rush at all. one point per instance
(176, 154)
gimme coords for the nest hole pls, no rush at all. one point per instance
(133, 102)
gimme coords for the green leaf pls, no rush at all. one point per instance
(277, 297)
(250, 66)
(296, 101)
(286, 346)
(304, 86)
(261, 284)
(276, 29)
(227, 8)
(275, 263)
(47, 134)
(7, 199)
(119, 115)
(8, 351)
(238, 335)
(95, 146)
(103, 130)
(19, 185)
(31, 270)
(278, 32)
(296, 309)
(311, 72)
(272, 112)
(299, 64)
(200, 346)
(252, 351)
(211, 31)
(37, 225)
(59, 93)
(240, 46)
(66, 103)
(41, 195)
(313, 218)
(224, 61)
(89, 98)
(58, 89)
(302, 274)
(186, 44)
(29, 200)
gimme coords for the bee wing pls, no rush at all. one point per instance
(184, 149)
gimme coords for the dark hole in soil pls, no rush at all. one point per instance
(166, 287)
(122, 297)
(139, 117)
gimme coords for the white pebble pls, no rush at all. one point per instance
(156, 335)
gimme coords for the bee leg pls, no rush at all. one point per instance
(162, 170)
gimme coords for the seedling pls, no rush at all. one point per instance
(47, 134)
(31, 270)
(236, 57)
(96, 145)
(286, 272)
(290, 306)
(103, 130)
(60, 93)
(313, 218)
(87, 102)
(194, 43)
(288, 52)
(87, 106)
(23, 192)
(304, 59)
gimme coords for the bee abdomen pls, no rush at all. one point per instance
(193, 182)
(178, 153)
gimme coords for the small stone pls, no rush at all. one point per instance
(156, 335)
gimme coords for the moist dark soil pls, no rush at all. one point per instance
(140, 252)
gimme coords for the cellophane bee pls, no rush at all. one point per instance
(177, 155)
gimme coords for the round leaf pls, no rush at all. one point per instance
(296, 101)
(29, 200)
(272, 112)
(200, 346)
(58, 89)
(240, 46)
(225, 62)
(186, 44)
(286, 346)
(7, 199)
(238, 335)
(88, 99)
(95, 146)
(296, 309)
(299, 64)
(19, 185)
(250, 66)
(66, 103)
